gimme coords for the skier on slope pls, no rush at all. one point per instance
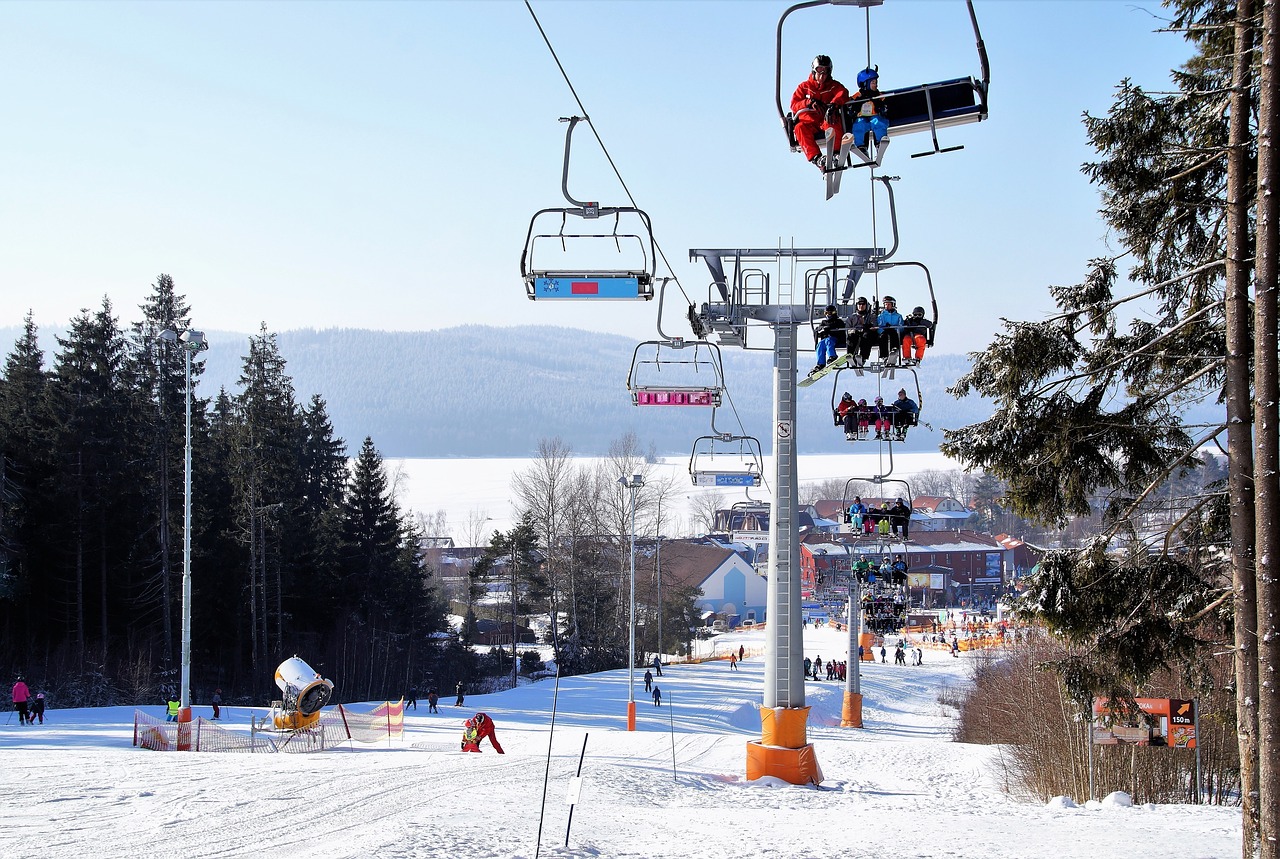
(476, 729)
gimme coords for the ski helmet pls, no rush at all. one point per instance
(879, 399)
(831, 308)
(889, 298)
(822, 61)
(867, 75)
(917, 311)
(847, 396)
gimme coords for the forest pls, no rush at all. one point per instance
(295, 548)
(291, 551)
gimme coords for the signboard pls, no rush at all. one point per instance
(710, 479)
(918, 580)
(597, 287)
(1170, 722)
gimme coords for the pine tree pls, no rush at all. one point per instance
(1088, 407)
(159, 371)
(26, 480)
(266, 443)
(98, 461)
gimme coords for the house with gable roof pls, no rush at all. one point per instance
(730, 585)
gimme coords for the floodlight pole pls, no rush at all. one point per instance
(633, 484)
(190, 342)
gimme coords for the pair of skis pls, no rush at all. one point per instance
(839, 161)
(887, 371)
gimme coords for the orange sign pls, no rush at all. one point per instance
(1167, 722)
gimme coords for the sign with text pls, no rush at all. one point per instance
(1167, 722)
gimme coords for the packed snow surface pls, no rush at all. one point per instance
(896, 789)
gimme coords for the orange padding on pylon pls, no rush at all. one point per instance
(794, 766)
(851, 711)
(784, 726)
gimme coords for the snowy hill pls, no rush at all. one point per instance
(898, 788)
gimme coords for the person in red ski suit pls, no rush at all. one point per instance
(476, 729)
(810, 104)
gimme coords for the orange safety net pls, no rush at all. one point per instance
(334, 727)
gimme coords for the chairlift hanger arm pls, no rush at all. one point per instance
(864, 4)
(982, 55)
(591, 209)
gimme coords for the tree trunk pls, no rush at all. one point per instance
(1240, 428)
(1266, 436)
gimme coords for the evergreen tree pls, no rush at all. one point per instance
(159, 371)
(26, 480)
(99, 458)
(266, 443)
(1088, 408)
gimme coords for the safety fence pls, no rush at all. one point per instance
(335, 726)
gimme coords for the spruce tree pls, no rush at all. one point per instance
(27, 478)
(1089, 407)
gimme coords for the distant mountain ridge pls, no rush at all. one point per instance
(486, 391)
(477, 390)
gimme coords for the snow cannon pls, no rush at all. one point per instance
(304, 692)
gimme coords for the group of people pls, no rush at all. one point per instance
(884, 328)
(891, 421)
(887, 520)
(653, 688)
(813, 668)
(886, 572)
(28, 708)
(818, 108)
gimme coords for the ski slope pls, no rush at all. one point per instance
(896, 789)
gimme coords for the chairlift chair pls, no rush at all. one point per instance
(924, 107)
(726, 460)
(577, 273)
(692, 378)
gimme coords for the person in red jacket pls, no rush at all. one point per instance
(811, 105)
(476, 729)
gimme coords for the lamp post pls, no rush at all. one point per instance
(190, 342)
(633, 484)
(515, 660)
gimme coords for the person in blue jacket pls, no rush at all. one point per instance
(889, 323)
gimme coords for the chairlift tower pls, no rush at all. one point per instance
(780, 289)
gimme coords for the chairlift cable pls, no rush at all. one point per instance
(586, 115)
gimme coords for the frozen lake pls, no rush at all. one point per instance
(468, 488)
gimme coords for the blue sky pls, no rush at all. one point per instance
(376, 164)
